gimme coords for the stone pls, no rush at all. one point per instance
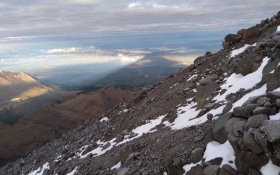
(267, 104)
(218, 128)
(226, 45)
(244, 111)
(278, 102)
(171, 167)
(262, 110)
(223, 172)
(196, 155)
(124, 153)
(256, 121)
(239, 128)
(119, 138)
(229, 126)
(261, 101)
(210, 116)
(258, 58)
(253, 99)
(254, 172)
(212, 170)
(233, 140)
(107, 145)
(196, 170)
(216, 161)
(206, 80)
(273, 80)
(273, 95)
(260, 139)
(251, 144)
(270, 66)
(271, 128)
(203, 92)
(227, 108)
(245, 64)
(232, 38)
(229, 169)
(245, 160)
(209, 106)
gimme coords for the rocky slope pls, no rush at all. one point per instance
(38, 128)
(218, 116)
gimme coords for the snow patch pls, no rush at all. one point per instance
(238, 81)
(188, 118)
(275, 117)
(146, 128)
(40, 170)
(278, 29)
(188, 167)
(240, 50)
(270, 169)
(225, 151)
(117, 166)
(104, 119)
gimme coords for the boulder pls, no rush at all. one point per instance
(119, 138)
(226, 45)
(246, 160)
(196, 170)
(206, 80)
(219, 132)
(196, 155)
(271, 128)
(261, 101)
(244, 111)
(232, 38)
(212, 170)
(239, 128)
(233, 140)
(256, 121)
(273, 80)
(254, 172)
(203, 92)
(251, 144)
(245, 64)
(124, 153)
(262, 110)
(171, 167)
(270, 66)
(229, 169)
(229, 126)
(278, 102)
(273, 95)
(251, 36)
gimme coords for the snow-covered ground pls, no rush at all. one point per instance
(240, 50)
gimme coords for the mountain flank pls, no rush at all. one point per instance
(51, 122)
(218, 116)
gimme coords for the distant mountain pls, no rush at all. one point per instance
(97, 102)
(19, 86)
(40, 127)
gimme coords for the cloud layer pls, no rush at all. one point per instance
(72, 17)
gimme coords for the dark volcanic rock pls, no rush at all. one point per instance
(232, 38)
(251, 144)
(245, 160)
(271, 128)
(197, 155)
(219, 131)
(256, 121)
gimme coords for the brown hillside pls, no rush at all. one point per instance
(97, 102)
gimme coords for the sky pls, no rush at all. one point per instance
(49, 33)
